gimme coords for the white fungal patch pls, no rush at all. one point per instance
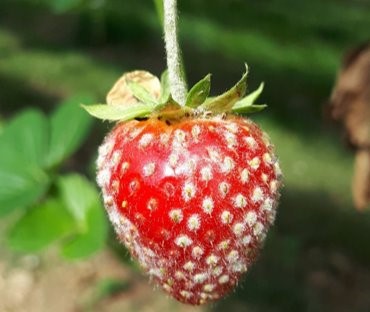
(180, 136)
(224, 279)
(244, 176)
(186, 294)
(238, 267)
(149, 169)
(167, 287)
(206, 173)
(200, 278)
(258, 229)
(103, 177)
(254, 163)
(250, 218)
(193, 222)
(176, 215)
(214, 155)
(105, 148)
(228, 165)
(230, 139)
(209, 287)
(226, 217)
(188, 191)
(238, 229)
(124, 167)
(207, 205)
(155, 271)
(152, 204)
(179, 275)
(189, 266)
(233, 256)
(224, 245)
(267, 204)
(240, 201)
(173, 160)
(264, 177)
(267, 159)
(251, 142)
(134, 133)
(223, 188)
(115, 185)
(116, 156)
(212, 260)
(217, 271)
(183, 241)
(164, 138)
(246, 240)
(108, 201)
(145, 140)
(232, 127)
(274, 186)
(277, 170)
(257, 195)
(195, 132)
(197, 252)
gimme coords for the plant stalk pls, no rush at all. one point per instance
(174, 61)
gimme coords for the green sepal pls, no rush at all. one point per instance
(165, 88)
(225, 101)
(141, 93)
(116, 112)
(246, 105)
(199, 92)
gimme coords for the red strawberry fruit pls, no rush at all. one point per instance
(191, 191)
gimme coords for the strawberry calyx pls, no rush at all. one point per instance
(139, 94)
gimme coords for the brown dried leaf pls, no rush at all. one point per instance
(121, 94)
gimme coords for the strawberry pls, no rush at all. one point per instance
(191, 191)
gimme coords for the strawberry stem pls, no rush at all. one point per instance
(174, 61)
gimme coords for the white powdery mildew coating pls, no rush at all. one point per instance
(274, 186)
(240, 201)
(179, 275)
(173, 160)
(244, 176)
(232, 127)
(212, 260)
(176, 215)
(224, 244)
(206, 173)
(223, 279)
(197, 252)
(228, 165)
(267, 204)
(217, 271)
(277, 170)
(230, 139)
(103, 177)
(209, 287)
(233, 256)
(258, 229)
(186, 294)
(189, 266)
(188, 191)
(195, 131)
(254, 163)
(223, 188)
(200, 278)
(267, 158)
(257, 195)
(238, 229)
(250, 218)
(193, 223)
(246, 240)
(183, 241)
(251, 142)
(226, 217)
(146, 139)
(207, 205)
(149, 169)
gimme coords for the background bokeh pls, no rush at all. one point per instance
(317, 256)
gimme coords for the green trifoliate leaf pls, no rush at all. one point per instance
(199, 92)
(141, 93)
(116, 112)
(246, 105)
(165, 88)
(226, 101)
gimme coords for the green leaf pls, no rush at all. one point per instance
(254, 108)
(40, 227)
(23, 146)
(20, 186)
(61, 6)
(141, 93)
(93, 239)
(225, 101)
(249, 99)
(25, 138)
(78, 196)
(165, 88)
(116, 112)
(69, 128)
(199, 92)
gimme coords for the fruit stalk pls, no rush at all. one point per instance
(173, 53)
